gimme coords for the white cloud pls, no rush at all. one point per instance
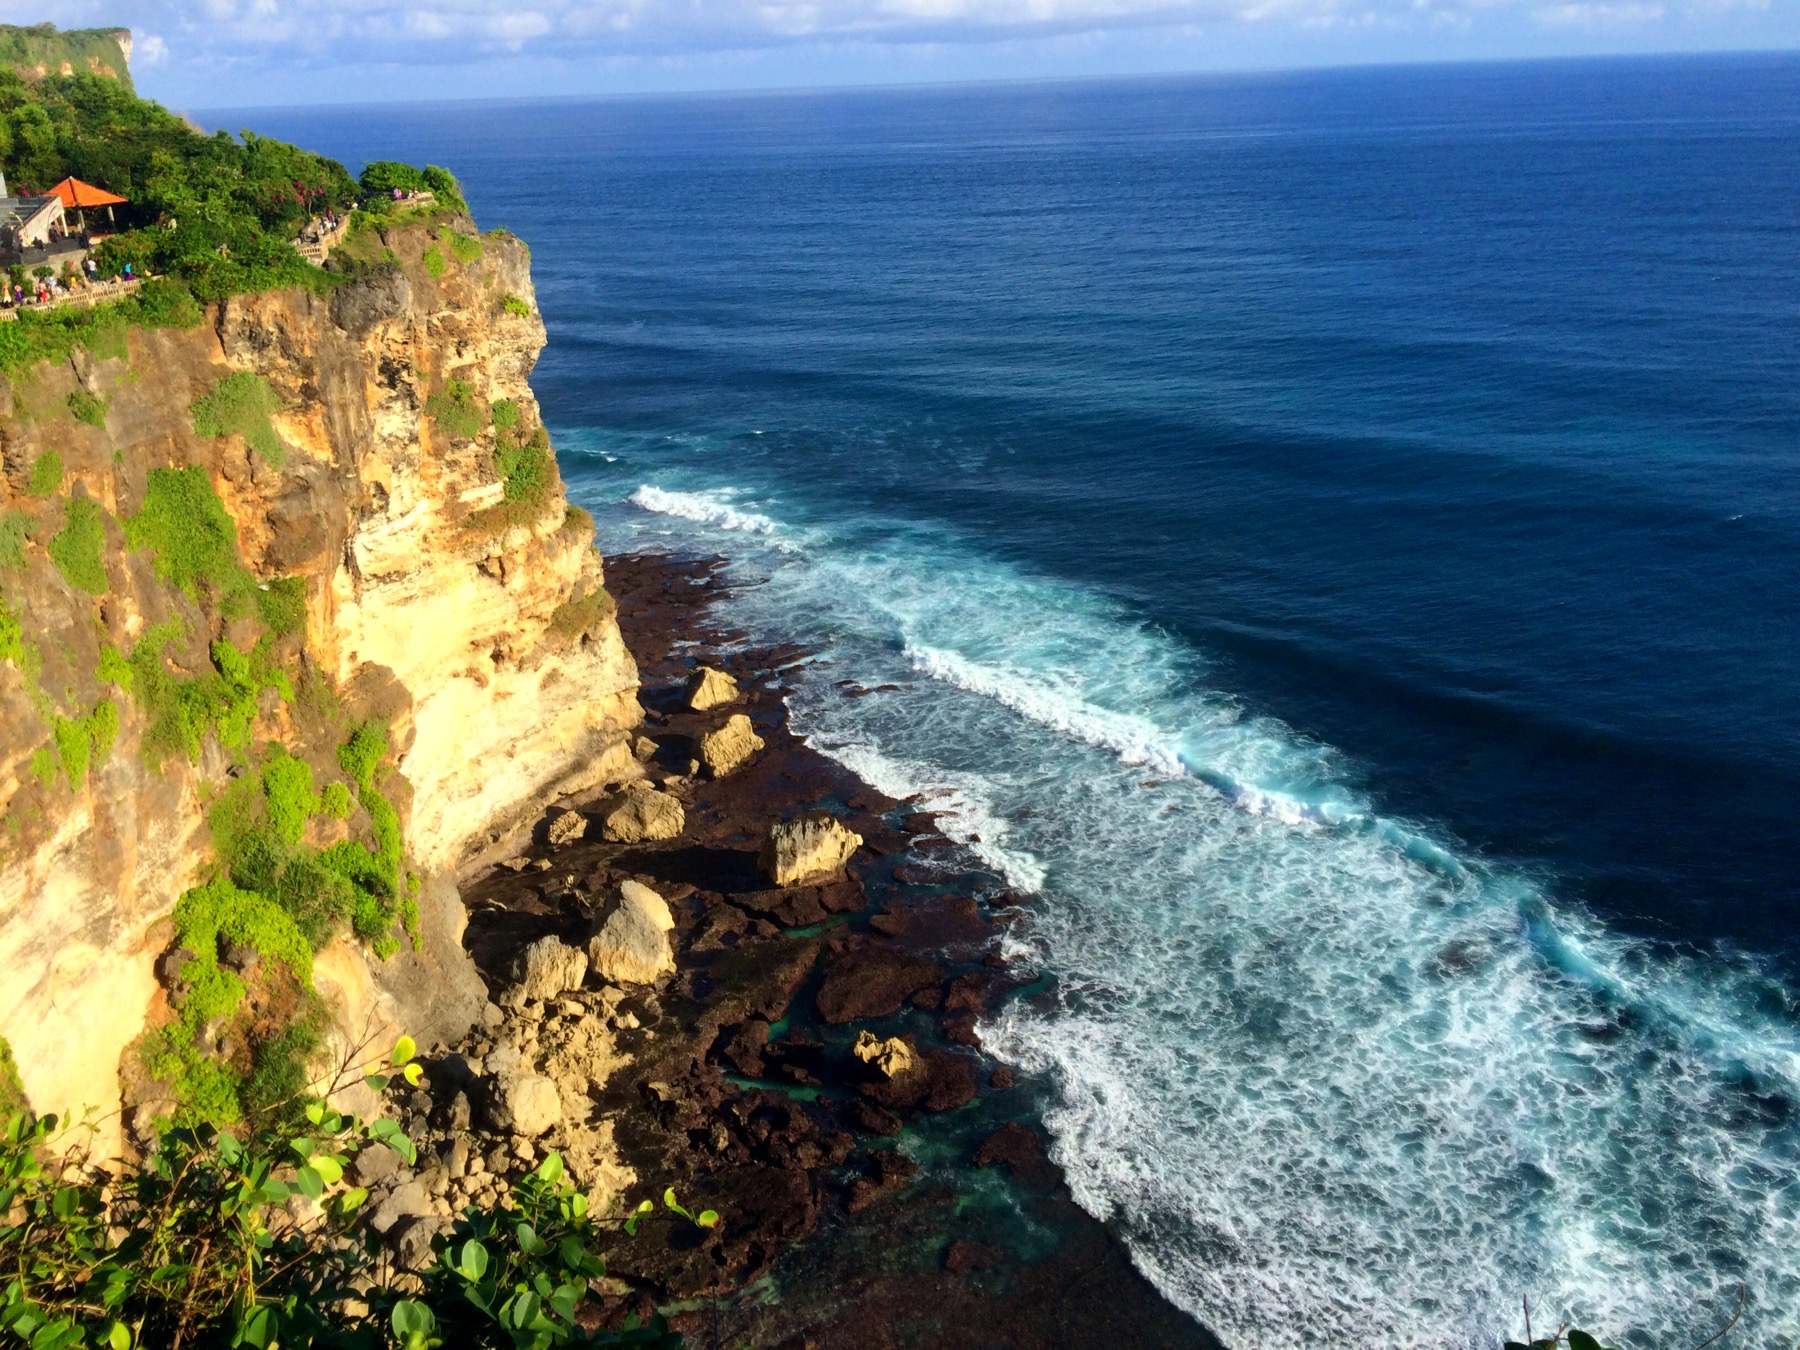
(149, 49)
(245, 34)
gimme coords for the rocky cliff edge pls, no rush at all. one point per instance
(408, 571)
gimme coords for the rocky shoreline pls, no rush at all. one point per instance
(809, 1067)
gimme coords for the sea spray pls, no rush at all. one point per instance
(1322, 1072)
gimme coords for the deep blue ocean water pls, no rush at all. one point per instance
(1337, 540)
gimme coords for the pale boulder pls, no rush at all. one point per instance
(525, 1104)
(708, 689)
(632, 946)
(812, 846)
(641, 814)
(730, 746)
(891, 1057)
(565, 828)
(549, 967)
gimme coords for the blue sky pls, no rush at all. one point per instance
(242, 53)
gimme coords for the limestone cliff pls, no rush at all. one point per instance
(378, 451)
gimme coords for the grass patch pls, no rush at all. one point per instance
(457, 410)
(207, 1088)
(83, 742)
(180, 711)
(506, 414)
(77, 548)
(526, 469)
(282, 604)
(15, 528)
(51, 335)
(89, 408)
(574, 618)
(465, 248)
(193, 537)
(513, 305)
(577, 522)
(434, 261)
(46, 473)
(242, 403)
(12, 1089)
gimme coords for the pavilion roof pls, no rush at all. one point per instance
(75, 193)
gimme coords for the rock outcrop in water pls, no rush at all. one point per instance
(381, 541)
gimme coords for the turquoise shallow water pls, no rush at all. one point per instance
(1334, 541)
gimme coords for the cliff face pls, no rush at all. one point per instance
(41, 50)
(448, 593)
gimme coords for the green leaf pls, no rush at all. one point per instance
(118, 1336)
(377, 1082)
(352, 1200)
(413, 1073)
(474, 1261)
(404, 1049)
(551, 1169)
(411, 1318)
(330, 1168)
(259, 1329)
(528, 1240)
(709, 1218)
(309, 1182)
(316, 1112)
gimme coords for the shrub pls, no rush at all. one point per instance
(46, 474)
(15, 528)
(457, 410)
(186, 525)
(242, 402)
(465, 248)
(506, 414)
(194, 1246)
(288, 788)
(514, 306)
(76, 548)
(433, 259)
(334, 801)
(12, 1091)
(282, 604)
(526, 469)
(362, 754)
(82, 742)
(180, 711)
(86, 407)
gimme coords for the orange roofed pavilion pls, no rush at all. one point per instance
(75, 193)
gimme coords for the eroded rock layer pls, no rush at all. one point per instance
(448, 590)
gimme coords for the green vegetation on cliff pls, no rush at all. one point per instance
(196, 1245)
(42, 50)
(242, 402)
(217, 212)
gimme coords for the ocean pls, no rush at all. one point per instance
(1331, 541)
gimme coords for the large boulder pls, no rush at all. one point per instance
(891, 1058)
(708, 689)
(547, 968)
(524, 1104)
(640, 814)
(730, 746)
(806, 849)
(632, 946)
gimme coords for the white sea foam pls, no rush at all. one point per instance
(1332, 1081)
(704, 507)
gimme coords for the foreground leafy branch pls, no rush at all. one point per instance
(217, 1241)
